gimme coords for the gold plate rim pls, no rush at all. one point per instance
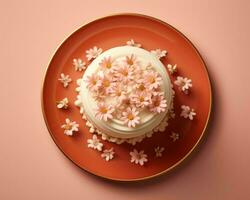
(168, 170)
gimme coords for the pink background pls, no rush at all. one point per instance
(32, 167)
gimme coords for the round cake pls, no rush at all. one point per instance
(125, 94)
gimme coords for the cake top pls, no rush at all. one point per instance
(126, 87)
(123, 88)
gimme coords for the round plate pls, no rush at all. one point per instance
(114, 31)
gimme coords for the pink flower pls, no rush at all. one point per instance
(124, 73)
(117, 90)
(158, 104)
(93, 53)
(183, 83)
(152, 80)
(106, 82)
(141, 99)
(130, 117)
(139, 85)
(92, 82)
(131, 60)
(107, 63)
(104, 112)
(138, 157)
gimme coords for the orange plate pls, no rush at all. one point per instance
(114, 31)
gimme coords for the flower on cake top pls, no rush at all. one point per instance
(63, 103)
(104, 112)
(93, 53)
(124, 73)
(130, 117)
(174, 136)
(107, 63)
(138, 157)
(172, 68)
(159, 103)
(95, 143)
(141, 99)
(69, 127)
(65, 80)
(117, 90)
(183, 83)
(108, 154)
(159, 151)
(132, 60)
(152, 80)
(187, 112)
(92, 82)
(79, 64)
(133, 44)
(159, 53)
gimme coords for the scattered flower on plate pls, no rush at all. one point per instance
(183, 83)
(79, 64)
(65, 80)
(63, 103)
(187, 112)
(172, 68)
(93, 53)
(138, 157)
(159, 53)
(133, 44)
(108, 154)
(95, 143)
(69, 127)
(159, 151)
(130, 117)
(104, 112)
(174, 136)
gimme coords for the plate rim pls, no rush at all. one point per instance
(190, 152)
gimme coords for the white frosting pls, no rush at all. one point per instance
(115, 127)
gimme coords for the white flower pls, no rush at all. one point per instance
(93, 53)
(172, 68)
(108, 154)
(183, 83)
(70, 127)
(79, 64)
(158, 151)
(187, 112)
(65, 80)
(63, 103)
(174, 136)
(95, 143)
(138, 157)
(133, 44)
(159, 53)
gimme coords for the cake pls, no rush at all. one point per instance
(125, 95)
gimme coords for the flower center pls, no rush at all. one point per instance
(106, 83)
(141, 87)
(151, 79)
(103, 110)
(156, 103)
(130, 61)
(108, 65)
(68, 127)
(141, 99)
(130, 116)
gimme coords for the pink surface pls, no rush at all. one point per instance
(32, 167)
